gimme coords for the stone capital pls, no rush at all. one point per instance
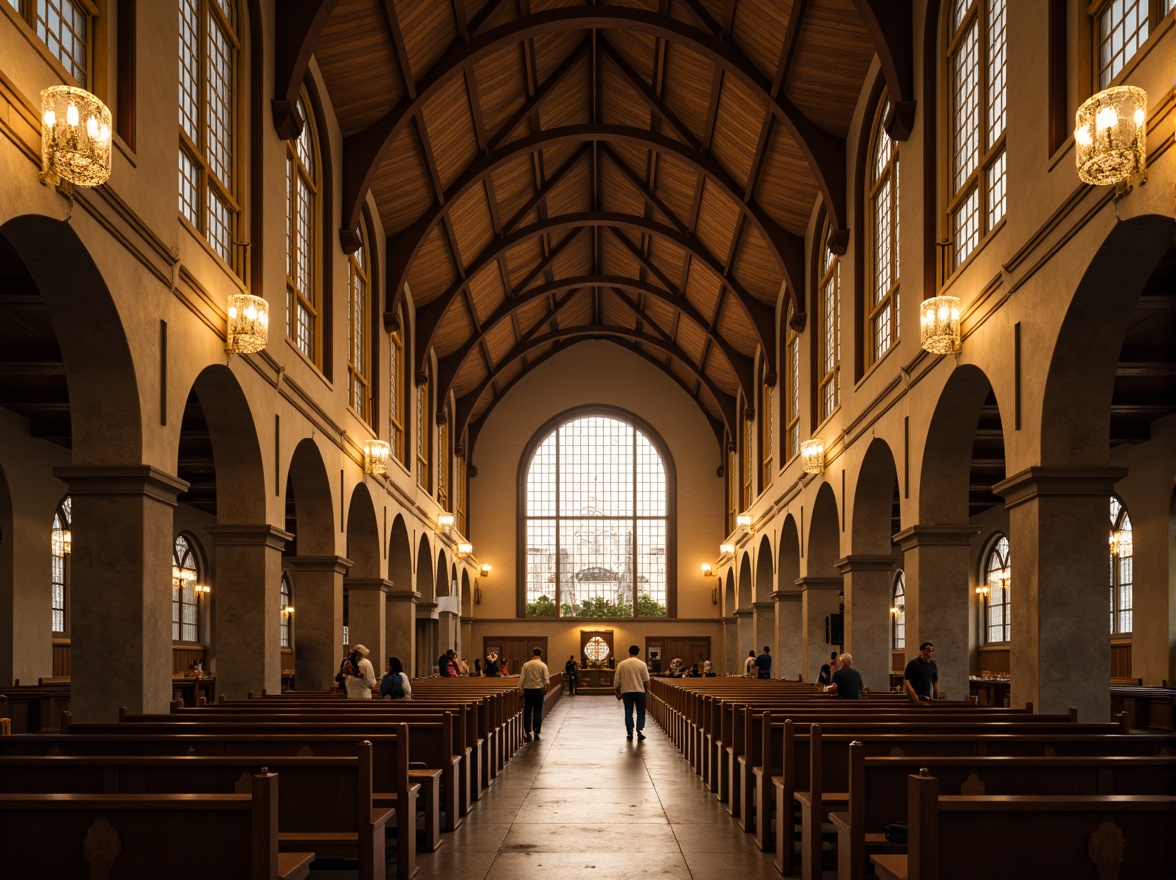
(742, 612)
(374, 585)
(819, 583)
(764, 606)
(786, 595)
(132, 480)
(330, 564)
(866, 562)
(935, 536)
(1039, 482)
(405, 596)
(261, 535)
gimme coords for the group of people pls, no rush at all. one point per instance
(358, 677)
(920, 679)
(758, 666)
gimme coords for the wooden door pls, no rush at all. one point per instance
(515, 650)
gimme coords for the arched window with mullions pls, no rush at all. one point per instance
(60, 543)
(1122, 569)
(359, 329)
(208, 113)
(882, 289)
(185, 601)
(287, 626)
(997, 583)
(596, 537)
(397, 391)
(791, 417)
(303, 225)
(829, 335)
(898, 612)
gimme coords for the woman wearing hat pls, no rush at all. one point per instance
(359, 687)
(492, 664)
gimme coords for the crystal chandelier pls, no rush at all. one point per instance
(75, 137)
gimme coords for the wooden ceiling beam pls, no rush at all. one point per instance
(891, 27)
(296, 34)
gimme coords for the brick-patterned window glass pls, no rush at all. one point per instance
(829, 338)
(1122, 569)
(185, 617)
(459, 494)
(977, 62)
(396, 397)
(302, 227)
(60, 544)
(792, 387)
(732, 489)
(207, 117)
(1122, 27)
(443, 464)
(898, 615)
(596, 522)
(747, 465)
(767, 423)
(359, 331)
(996, 603)
(65, 27)
(422, 436)
(287, 602)
(882, 306)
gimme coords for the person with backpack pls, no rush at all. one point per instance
(395, 685)
(358, 676)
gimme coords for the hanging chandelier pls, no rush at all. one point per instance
(248, 329)
(75, 137)
(939, 325)
(1110, 135)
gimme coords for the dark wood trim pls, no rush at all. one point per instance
(125, 71)
(1059, 107)
(864, 222)
(932, 218)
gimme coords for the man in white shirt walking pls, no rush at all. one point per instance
(631, 678)
(533, 680)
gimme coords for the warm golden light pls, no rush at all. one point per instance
(1110, 136)
(248, 326)
(444, 522)
(375, 456)
(726, 549)
(812, 456)
(75, 137)
(485, 570)
(939, 325)
(743, 521)
(707, 571)
(464, 549)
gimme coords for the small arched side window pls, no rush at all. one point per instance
(359, 330)
(791, 387)
(185, 598)
(61, 543)
(1122, 569)
(898, 612)
(396, 392)
(287, 612)
(998, 582)
(882, 288)
(829, 338)
(767, 421)
(303, 224)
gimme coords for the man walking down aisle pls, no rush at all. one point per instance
(632, 676)
(533, 680)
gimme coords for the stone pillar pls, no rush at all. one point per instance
(318, 640)
(733, 657)
(427, 645)
(789, 639)
(819, 598)
(867, 583)
(765, 632)
(120, 589)
(248, 611)
(936, 563)
(1060, 655)
(367, 617)
(745, 637)
(400, 628)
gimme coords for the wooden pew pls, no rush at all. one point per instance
(878, 790)
(389, 760)
(325, 805)
(82, 835)
(1040, 836)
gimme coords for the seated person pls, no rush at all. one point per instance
(847, 681)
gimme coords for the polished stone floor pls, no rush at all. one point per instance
(586, 803)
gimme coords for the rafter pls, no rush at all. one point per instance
(296, 34)
(891, 27)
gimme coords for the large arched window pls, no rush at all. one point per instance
(287, 626)
(596, 531)
(422, 435)
(60, 544)
(443, 459)
(792, 387)
(882, 290)
(1123, 26)
(65, 27)
(1122, 569)
(997, 583)
(185, 574)
(208, 84)
(829, 337)
(898, 612)
(359, 330)
(396, 392)
(303, 222)
(767, 420)
(976, 60)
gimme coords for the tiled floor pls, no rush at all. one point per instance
(586, 803)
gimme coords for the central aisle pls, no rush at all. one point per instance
(586, 803)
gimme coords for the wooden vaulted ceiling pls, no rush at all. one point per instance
(639, 171)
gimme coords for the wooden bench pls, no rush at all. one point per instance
(325, 805)
(877, 792)
(83, 835)
(1039, 836)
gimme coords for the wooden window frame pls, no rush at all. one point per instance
(873, 304)
(359, 330)
(296, 298)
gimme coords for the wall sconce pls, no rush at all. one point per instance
(444, 522)
(66, 542)
(180, 575)
(464, 549)
(812, 456)
(375, 456)
(726, 549)
(897, 610)
(202, 590)
(714, 595)
(982, 590)
(288, 610)
(75, 137)
(248, 327)
(743, 521)
(1110, 136)
(1120, 542)
(707, 571)
(939, 325)
(484, 571)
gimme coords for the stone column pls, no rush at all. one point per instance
(789, 637)
(367, 617)
(867, 582)
(733, 657)
(819, 598)
(400, 628)
(248, 610)
(936, 563)
(120, 589)
(745, 636)
(765, 632)
(1060, 653)
(318, 640)
(427, 644)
